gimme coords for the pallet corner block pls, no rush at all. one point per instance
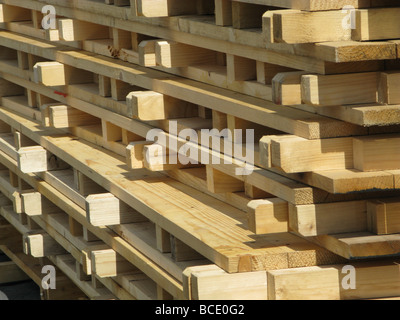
(32, 159)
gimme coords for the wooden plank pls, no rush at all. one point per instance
(361, 245)
(223, 13)
(73, 151)
(106, 209)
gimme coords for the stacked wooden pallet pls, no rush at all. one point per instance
(79, 99)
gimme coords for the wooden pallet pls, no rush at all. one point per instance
(323, 190)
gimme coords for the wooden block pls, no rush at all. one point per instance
(75, 228)
(218, 182)
(128, 137)
(375, 153)
(23, 62)
(41, 245)
(286, 88)
(147, 53)
(85, 185)
(111, 132)
(247, 15)
(32, 159)
(310, 27)
(134, 154)
(165, 8)
(311, 283)
(57, 74)
(34, 204)
(383, 216)
(120, 89)
(330, 90)
(328, 218)
(223, 13)
(80, 273)
(267, 71)
(240, 69)
(311, 155)
(182, 252)
(104, 86)
(157, 158)
(62, 116)
(89, 236)
(78, 30)
(171, 54)
(376, 24)
(122, 39)
(108, 263)
(12, 13)
(219, 120)
(212, 283)
(388, 88)
(163, 240)
(255, 193)
(268, 216)
(106, 210)
(150, 105)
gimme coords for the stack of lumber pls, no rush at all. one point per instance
(79, 192)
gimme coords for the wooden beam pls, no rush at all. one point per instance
(41, 245)
(108, 263)
(171, 54)
(340, 89)
(57, 74)
(135, 154)
(268, 216)
(165, 8)
(328, 218)
(62, 116)
(78, 30)
(383, 216)
(212, 283)
(32, 159)
(106, 209)
(150, 105)
(34, 204)
(223, 13)
(311, 283)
